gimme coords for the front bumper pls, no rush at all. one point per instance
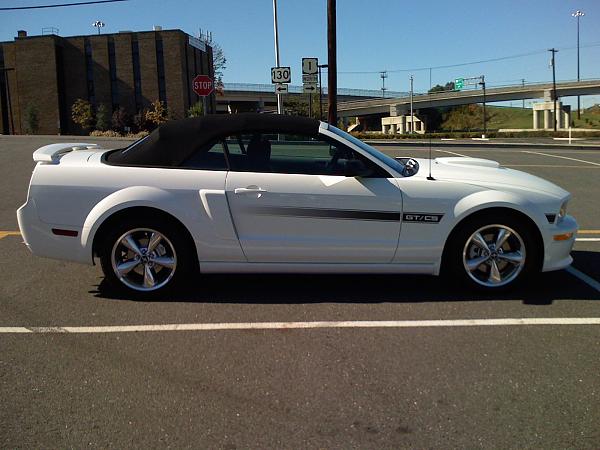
(557, 253)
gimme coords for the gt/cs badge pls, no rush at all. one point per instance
(422, 217)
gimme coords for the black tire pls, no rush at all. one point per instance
(462, 251)
(173, 249)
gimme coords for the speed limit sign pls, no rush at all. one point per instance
(281, 75)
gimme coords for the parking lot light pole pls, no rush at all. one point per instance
(482, 83)
(577, 14)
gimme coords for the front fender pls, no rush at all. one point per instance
(481, 200)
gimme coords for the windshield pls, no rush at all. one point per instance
(390, 162)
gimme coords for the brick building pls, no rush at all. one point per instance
(128, 69)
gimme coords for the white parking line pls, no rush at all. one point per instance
(588, 239)
(583, 277)
(451, 153)
(562, 157)
(529, 321)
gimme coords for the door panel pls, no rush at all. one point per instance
(315, 218)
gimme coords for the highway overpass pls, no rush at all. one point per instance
(240, 97)
(401, 105)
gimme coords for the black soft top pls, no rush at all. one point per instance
(174, 142)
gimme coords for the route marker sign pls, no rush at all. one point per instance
(310, 66)
(203, 85)
(310, 79)
(459, 84)
(281, 88)
(281, 75)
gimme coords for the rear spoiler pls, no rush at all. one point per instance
(52, 153)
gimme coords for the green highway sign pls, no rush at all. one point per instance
(459, 83)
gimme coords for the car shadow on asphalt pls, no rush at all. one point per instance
(542, 289)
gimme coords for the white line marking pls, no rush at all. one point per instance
(588, 239)
(562, 157)
(309, 325)
(583, 277)
(451, 153)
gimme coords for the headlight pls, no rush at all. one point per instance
(563, 211)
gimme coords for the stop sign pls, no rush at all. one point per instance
(203, 85)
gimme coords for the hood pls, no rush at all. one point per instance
(487, 173)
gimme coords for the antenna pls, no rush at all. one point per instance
(429, 177)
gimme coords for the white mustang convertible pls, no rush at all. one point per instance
(255, 193)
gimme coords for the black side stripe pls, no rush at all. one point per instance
(321, 213)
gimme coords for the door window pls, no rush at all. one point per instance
(293, 154)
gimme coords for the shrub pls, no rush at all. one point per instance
(81, 113)
(32, 120)
(196, 110)
(120, 119)
(102, 117)
(105, 133)
(157, 113)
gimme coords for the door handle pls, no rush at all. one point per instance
(249, 190)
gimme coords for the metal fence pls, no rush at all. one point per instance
(251, 87)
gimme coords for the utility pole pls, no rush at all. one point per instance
(383, 76)
(577, 14)
(279, 105)
(523, 84)
(321, 66)
(553, 51)
(412, 117)
(332, 62)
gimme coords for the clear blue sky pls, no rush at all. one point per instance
(373, 35)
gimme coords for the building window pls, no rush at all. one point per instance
(112, 67)
(160, 68)
(89, 65)
(137, 77)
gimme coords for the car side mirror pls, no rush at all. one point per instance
(356, 168)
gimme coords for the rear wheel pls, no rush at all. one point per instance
(492, 254)
(145, 257)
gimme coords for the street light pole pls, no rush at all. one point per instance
(553, 51)
(412, 117)
(279, 105)
(484, 116)
(577, 14)
(332, 62)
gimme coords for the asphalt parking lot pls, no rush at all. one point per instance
(441, 374)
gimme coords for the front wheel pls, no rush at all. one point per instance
(145, 257)
(490, 254)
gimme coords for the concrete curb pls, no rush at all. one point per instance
(427, 143)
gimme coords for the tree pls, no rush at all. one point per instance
(157, 114)
(81, 113)
(449, 86)
(32, 120)
(468, 117)
(120, 119)
(196, 110)
(102, 117)
(298, 105)
(219, 62)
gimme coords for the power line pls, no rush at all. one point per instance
(470, 63)
(13, 8)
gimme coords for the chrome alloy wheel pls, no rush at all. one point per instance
(143, 259)
(494, 255)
